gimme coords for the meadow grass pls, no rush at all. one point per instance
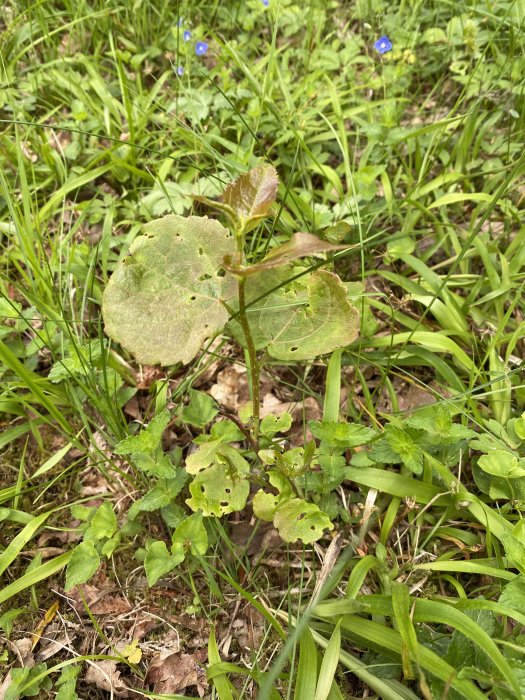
(420, 151)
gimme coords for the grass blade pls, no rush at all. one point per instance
(329, 665)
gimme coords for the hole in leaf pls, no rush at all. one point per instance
(201, 251)
(192, 298)
(221, 273)
(294, 349)
(227, 490)
(224, 504)
(204, 277)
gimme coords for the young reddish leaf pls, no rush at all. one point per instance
(300, 245)
(251, 195)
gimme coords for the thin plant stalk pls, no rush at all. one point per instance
(255, 369)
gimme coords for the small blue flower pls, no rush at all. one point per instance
(201, 47)
(180, 71)
(187, 35)
(266, 3)
(383, 45)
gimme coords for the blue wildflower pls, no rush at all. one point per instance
(180, 71)
(266, 2)
(187, 35)
(383, 45)
(201, 47)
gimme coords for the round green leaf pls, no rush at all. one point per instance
(502, 463)
(264, 505)
(216, 491)
(82, 565)
(298, 321)
(190, 534)
(298, 520)
(164, 299)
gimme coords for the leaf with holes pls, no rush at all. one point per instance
(165, 299)
(301, 319)
(265, 504)
(214, 491)
(298, 520)
(221, 484)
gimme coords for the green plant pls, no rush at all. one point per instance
(184, 281)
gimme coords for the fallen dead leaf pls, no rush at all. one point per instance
(231, 389)
(250, 633)
(105, 676)
(148, 374)
(101, 601)
(175, 673)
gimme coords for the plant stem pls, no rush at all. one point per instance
(254, 362)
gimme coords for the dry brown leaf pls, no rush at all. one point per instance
(231, 388)
(330, 559)
(104, 675)
(175, 673)
(101, 601)
(148, 374)
(143, 625)
(249, 634)
(133, 409)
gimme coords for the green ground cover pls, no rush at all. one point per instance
(153, 536)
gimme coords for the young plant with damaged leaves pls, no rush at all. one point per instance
(186, 280)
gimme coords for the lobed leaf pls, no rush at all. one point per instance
(214, 491)
(82, 565)
(159, 561)
(265, 504)
(148, 439)
(342, 435)
(164, 300)
(298, 520)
